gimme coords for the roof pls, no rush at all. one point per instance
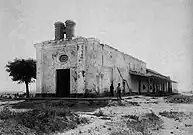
(138, 74)
(156, 74)
(174, 81)
(153, 71)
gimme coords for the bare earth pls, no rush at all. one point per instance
(113, 122)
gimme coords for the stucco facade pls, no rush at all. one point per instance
(103, 64)
(93, 66)
(47, 55)
(70, 66)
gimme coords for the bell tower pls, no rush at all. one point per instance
(62, 29)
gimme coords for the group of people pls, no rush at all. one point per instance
(118, 90)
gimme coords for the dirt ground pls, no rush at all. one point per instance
(112, 118)
(113, 122)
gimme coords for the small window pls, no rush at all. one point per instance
(63, 58)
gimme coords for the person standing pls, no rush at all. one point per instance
(118, 90)
(112, 89)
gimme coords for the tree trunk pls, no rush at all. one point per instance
(27, 89)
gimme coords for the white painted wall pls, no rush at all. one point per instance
(93, 66)
(101, 66)
(47, 55)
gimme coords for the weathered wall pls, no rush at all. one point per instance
(47, 55)
(114, 59)
(39, 71)
(101, 66)
(81, 63)
(50, 62)
(93, 66)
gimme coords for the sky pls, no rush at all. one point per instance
(159, 32)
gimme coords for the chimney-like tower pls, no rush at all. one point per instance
(69, 29)
(61, 29)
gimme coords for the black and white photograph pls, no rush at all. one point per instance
(96, 67)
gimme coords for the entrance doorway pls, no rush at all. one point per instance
(63, 82)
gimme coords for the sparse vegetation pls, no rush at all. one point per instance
(52, 116)
(179, 99)
(5, 113)
(123, 103)
(11, 127)
(139, 124)
(172, 114)
(144, 124)
(44, 119)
